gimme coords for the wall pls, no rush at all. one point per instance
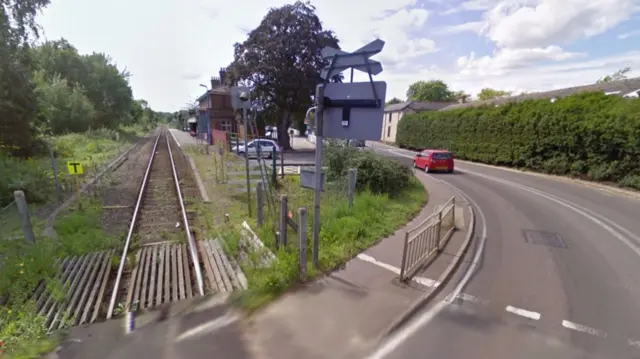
(390, 125)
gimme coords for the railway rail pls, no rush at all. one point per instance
(159, 262)
(160, 267)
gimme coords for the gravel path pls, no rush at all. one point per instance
(118, 190)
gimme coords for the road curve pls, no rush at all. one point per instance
(558, 277)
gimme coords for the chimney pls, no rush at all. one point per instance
(223, 73)
(215, 82)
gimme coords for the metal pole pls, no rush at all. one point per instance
(318, 175)
(352, 74)
(259, 204)
(302, 244)
(283, 220)
(54, 167)
(23, 212)
(246, 160)
(351, 186)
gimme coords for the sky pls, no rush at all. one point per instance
(172, 46)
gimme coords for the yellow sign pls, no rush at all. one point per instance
(75, 168)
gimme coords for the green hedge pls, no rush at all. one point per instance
(591, 136)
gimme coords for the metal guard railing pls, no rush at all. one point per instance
(427, 239)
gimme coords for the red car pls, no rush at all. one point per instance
(434, 160)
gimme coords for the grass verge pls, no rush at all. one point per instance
(344, 232)
(34, 176)
(23, 266)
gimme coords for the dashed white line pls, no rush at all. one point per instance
(583, 328)
(523, 312)
(427, 282)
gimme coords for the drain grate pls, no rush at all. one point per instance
(543, 238)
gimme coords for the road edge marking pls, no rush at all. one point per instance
(427, 282)
(583, 328)
(523, 312)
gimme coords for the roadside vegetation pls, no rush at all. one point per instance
(81, 106)
(387, 196)
(589, 136)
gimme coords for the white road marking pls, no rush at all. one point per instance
(417, 323)
(207, 327)
(590, 215)
(523, 312)
(427, 282)
(583, 328)
(468, 298)
(634, 343)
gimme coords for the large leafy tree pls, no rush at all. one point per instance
(281, 60)
(434, 90)
(17, 98)
(490, 94)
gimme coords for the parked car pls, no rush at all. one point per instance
(434, 160)
(266, 147)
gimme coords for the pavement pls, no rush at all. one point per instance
(341, 315)
(554, 272)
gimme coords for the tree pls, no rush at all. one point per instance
(281, 60)
(393, 101)
(61, 108)
(617, 76)
(434, 90)
(94, 75)
(490, 94)
(17, 98)
(461, 96)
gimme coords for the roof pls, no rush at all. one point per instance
(417, 106)
(621, 88)
(220, 89)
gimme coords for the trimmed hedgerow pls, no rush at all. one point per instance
(591, 136)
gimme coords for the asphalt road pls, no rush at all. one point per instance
(554, 272)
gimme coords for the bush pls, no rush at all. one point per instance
(378, 174)
(591, 136)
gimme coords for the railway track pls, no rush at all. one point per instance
(152, 265)
(160, 261)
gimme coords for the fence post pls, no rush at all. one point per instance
(23, 212)
(283, 220)
(439, 231)
(352, 185)
(282, 165)
(453, 211)
(259, 205)
(302, 245)
(405, 248)
(274, 170)
(54, 168)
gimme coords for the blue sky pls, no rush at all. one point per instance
(172, 46)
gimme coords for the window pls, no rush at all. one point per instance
(441, 156)
(389, 116)
(225, 125)
(388, 131)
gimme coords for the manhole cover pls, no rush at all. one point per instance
(544, 238)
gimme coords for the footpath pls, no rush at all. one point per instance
(342, 315)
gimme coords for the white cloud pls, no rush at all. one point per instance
(530, 79)
(166, 47)
(629, 34)
(510, 59)
(512, 24)
(472, 5)
(472, 26)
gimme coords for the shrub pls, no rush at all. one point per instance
(378, 174)
(592, 135)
